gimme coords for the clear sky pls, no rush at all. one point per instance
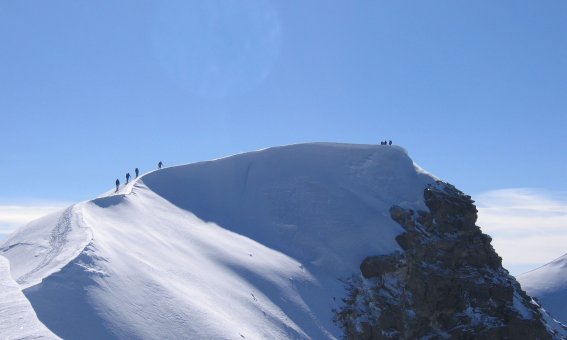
(475, 90)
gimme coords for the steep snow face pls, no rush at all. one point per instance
(17, 317)
(326, 205)
(549, 284)
(251, 246)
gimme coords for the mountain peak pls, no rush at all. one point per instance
(255, 245)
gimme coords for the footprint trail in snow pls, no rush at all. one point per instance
(57, 241)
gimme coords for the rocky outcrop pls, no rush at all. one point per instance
(447, 283)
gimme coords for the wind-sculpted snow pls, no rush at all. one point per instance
(323, 204)
(157, 271)
(46, 245)
(549, 285)
(57, 240)
(17, 317)
(252, 246)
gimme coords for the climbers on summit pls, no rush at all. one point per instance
(137, 172)
(385, 142)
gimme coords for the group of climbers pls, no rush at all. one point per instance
(137, 172)
(160, 165)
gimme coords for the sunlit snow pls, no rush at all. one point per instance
(251, 246)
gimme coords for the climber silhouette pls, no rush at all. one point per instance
(117, 184)
(160, 165)
(137, 172)
(127, 177)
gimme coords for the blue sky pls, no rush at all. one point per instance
(475, 90)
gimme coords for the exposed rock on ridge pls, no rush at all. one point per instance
(447, 283)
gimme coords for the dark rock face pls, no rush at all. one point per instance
(377, 265)
(448, 282)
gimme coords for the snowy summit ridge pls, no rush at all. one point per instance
(254, 246)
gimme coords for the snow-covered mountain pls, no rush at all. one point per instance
(549, 285)
(261, 245)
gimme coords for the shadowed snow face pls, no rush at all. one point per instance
(17, 317)
(306, 200)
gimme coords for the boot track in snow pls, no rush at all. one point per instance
(57, 241)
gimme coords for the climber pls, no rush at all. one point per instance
(137, 172)
(159, 165)
(390, 143)
(127, 177)
(117, 184)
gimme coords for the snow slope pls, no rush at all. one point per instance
(46, 245)
(17, 318)
(549, 285)
(251, 246)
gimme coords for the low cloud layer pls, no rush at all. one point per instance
(13, 216)
(528, 226)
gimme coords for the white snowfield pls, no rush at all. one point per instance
(549, 285)
(17, 317)
(252, 246)
(46, 245)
